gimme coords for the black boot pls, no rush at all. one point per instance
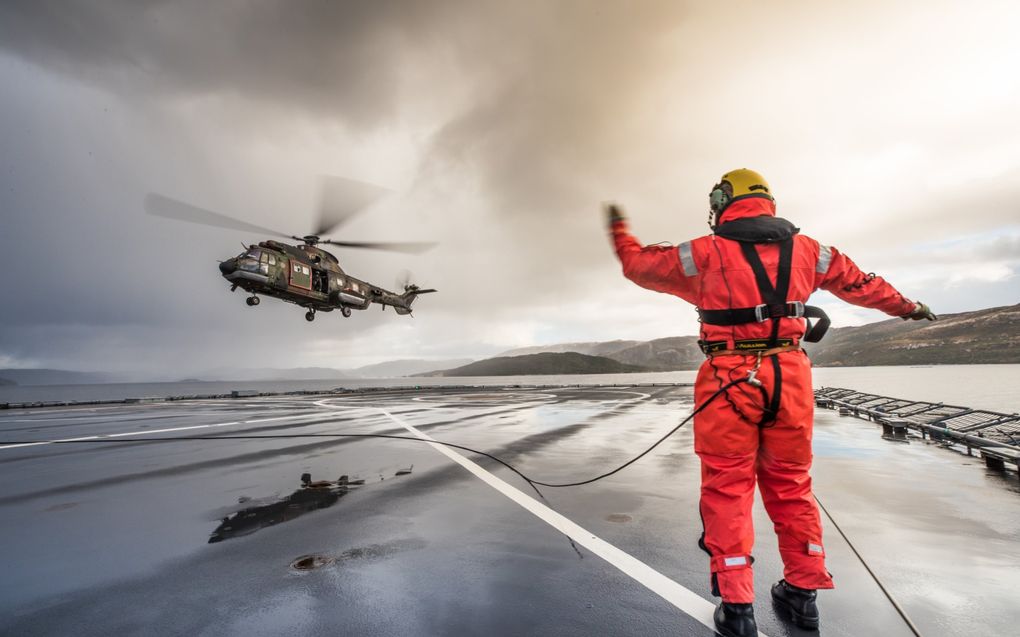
(735, 620)
(798, 603)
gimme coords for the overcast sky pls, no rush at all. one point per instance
(888, 130)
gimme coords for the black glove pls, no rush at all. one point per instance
(921, 311)
(614, 213)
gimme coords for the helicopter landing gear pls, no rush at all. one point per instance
(345, 311)
(310, 315)
(252, 300)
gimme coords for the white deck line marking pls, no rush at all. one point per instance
(143, 432)
(83, 421)
(446, 397)
(683, 598)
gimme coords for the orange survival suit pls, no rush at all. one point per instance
(754, 433)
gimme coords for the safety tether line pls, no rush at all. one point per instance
(892, 600)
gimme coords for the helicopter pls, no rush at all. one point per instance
(303, 274)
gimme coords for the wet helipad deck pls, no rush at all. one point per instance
(113, 538)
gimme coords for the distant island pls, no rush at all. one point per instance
(981, 337)
(35, 376)
(540, 364)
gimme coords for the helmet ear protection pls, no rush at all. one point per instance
(718, 200)
(720, 197)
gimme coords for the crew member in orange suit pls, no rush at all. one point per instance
(750, 280)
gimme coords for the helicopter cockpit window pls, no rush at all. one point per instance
(249, 260)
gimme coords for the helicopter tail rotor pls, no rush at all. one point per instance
(410, 289)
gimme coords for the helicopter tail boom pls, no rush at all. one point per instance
(408, 298)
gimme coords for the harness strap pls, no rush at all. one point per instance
(773, 296)
(772, 411)
(764, 352)
(817, 331)
(756, 314)
(748, 347)
(774, 306)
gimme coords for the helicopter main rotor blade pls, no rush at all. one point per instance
(168, 208)
(342, 198)
(410, 248)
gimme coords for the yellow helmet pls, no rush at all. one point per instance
(736, 185)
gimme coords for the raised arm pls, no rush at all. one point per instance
(653, 267)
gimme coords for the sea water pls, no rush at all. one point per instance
(992, 387)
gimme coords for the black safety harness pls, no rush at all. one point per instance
(748, 233)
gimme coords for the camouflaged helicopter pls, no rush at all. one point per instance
(304, 274)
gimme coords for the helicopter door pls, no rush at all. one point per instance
(320, 281)
(300, 275)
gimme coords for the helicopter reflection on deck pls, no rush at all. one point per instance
(310, 497)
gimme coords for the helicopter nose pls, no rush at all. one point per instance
(228, 266)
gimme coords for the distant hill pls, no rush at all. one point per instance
(272, 373)
(983, 336)
(541, 364)
(663, 354)
(604, 348)
(410, 367)
(55, 377)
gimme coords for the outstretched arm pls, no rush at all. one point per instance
(653, 267)
(844, 279)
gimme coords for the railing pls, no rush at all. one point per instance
(995, 434)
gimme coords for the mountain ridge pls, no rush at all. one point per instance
(986, 336)
(540, 364)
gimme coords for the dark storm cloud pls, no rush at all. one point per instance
(549, 84)
(338, 59)
(535, 99)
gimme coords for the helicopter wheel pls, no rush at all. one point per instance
(310, 315)
(252, 300)
(346, 312)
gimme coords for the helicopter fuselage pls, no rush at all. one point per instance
(308, 276)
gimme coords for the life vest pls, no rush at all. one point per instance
(755, 274)
(776, 303)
